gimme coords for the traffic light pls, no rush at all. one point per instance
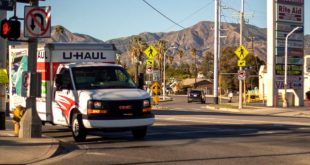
(10, 29)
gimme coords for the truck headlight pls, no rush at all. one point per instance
(96, 107)
(147, 105)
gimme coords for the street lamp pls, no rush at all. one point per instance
(164, 78)
(285, 65)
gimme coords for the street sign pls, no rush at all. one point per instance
(150, 52)
(150, 62)
(241, 63)
(6, 5)
(156, 99)
(149, 69)
(241, 75)
(37, 22)
(156, 75)
(241, 52)
(155, 88)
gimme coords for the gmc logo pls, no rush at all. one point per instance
(125, 107)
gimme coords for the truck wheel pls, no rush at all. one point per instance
(139, 133)
(78, 129)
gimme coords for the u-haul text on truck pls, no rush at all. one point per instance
(82, 88)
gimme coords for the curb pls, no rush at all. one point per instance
(222, 109)
(26, 150)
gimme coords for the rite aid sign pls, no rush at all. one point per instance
(37, 23)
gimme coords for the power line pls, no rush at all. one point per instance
(163, 14)
(194, 13)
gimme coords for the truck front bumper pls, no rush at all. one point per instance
(117, 123)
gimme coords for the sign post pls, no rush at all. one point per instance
(31, 125)
(3, 51)
(241, 53)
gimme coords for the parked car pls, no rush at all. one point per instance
(196, 95)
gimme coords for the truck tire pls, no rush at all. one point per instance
(139, 133)
(78, 130)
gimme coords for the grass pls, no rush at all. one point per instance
(224, 105)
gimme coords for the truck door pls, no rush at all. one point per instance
(63, 100)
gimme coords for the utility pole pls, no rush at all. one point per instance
(3, 53)
(241, 42)
(31, 125)
(216, 50)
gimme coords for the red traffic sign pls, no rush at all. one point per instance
(241, 75)
(149, 69)
(37, 23)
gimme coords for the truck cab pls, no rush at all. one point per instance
(99, 96)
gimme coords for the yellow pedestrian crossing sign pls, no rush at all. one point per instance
(155, 88)
(241, 52)
(150, 52)
(241, 63)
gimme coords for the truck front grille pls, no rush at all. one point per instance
(120, 108)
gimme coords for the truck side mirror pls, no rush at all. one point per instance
(141, 81)
(58, 81)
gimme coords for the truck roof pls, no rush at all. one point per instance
(81, 46)
(88, 64)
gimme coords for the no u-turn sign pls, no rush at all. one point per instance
(37, 22)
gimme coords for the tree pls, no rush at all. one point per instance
(136, 47)
(228, 68)
(180, 53)
(194, 55)
(229, 64)
(207, 65)
(161, 47)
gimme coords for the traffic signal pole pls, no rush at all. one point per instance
(216, 51)
(3, 53)
(241, 42)
(31, 125)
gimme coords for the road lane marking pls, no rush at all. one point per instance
(227, 121)
(212, 130)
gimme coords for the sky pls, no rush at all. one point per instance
(111, 19)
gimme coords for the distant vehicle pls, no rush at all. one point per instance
(196, 95)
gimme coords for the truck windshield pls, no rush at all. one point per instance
(101, 77)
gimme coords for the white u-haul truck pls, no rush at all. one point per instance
(307, 77)
(82, 88)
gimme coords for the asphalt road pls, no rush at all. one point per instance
(191, 134)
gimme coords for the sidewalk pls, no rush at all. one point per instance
(14, 150)
(265, 110)
(250, 108)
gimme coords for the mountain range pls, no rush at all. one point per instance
(199, 36)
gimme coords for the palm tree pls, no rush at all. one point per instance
(136, 48)
(194, 53)
(170, 59)
(161, 47)
(180, 53)
(207, 64)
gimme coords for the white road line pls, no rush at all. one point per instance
(197, 119)
(205, 131)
